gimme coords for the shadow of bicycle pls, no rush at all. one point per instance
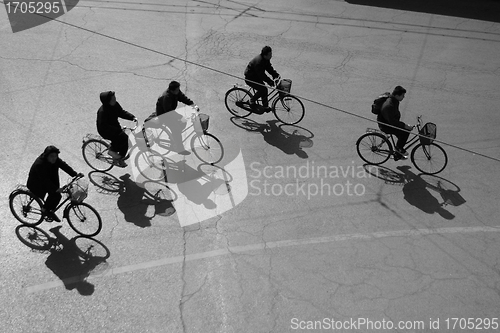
(417, 189)
(139, 203)
(290, 139)
(72, 260)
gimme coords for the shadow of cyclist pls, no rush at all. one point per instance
(416, 194)
(290, 143)
(66, 264)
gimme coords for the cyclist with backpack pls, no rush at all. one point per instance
(387, 109)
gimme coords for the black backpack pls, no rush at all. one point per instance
(378, 102)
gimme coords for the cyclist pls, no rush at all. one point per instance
(391, 115)
(43, 179)
(109, 128)
(255, 75)
(167, 102)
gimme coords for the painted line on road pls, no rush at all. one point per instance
(263, 246)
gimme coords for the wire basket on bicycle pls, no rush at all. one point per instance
(200, 123)
(78, 190)
(429, 131)
(285, 85)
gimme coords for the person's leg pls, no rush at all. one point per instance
(261, 92)
(121, 144)
(402, 138)
(52, 201)
(50, 204)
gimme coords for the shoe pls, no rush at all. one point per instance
(398, 156)
(114, 154)
(119, 163)
(267, 109)
(50, 215)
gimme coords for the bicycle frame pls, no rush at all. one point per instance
(411, 142)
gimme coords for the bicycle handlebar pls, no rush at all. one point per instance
(132, 128)
(75, 178)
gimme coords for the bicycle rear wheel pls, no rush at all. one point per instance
(84, 219)
(94, 153)
(374, 148)
(207, 148)
(288, 109)
(430, 159)
(235, 100)
(26, 208)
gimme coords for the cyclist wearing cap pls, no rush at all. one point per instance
(255, 73)
(43, 179)
(167, 102)
(109, 128)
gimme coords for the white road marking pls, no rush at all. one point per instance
(263, 246)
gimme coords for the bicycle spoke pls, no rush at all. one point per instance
(84, 219)
(207, 148)
(25, 208)
(95, 155)
(430, 159)
(289, 110)
(235, 102)
(373, 148)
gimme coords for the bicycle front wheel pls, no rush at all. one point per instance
(84, 219)
(151, 165)
(91, 249)
(26, 208)
(207, 148)
(94, 153)
(237, 100)
(430, 159)
(374, 148)
(288, 110)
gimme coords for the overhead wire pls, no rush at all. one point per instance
(258, 83)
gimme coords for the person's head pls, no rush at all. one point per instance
(267, 52)
(174, 87)
(399, 93)
(108, 98)
(51, 154)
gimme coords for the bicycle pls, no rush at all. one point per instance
(376, 147)
(95, 151)
(206, 146)
(82, 218)
(286, 108)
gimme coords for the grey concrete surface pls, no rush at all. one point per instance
(274, 262)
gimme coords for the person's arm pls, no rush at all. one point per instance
(125, 114)
(184, 99)
(66, 168)
(271, 70)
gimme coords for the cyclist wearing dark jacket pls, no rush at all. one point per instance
(43, 179)
(109, 128)
(391, 115)
(169, 100)
(256, 72)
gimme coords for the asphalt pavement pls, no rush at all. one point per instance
(290, 232)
